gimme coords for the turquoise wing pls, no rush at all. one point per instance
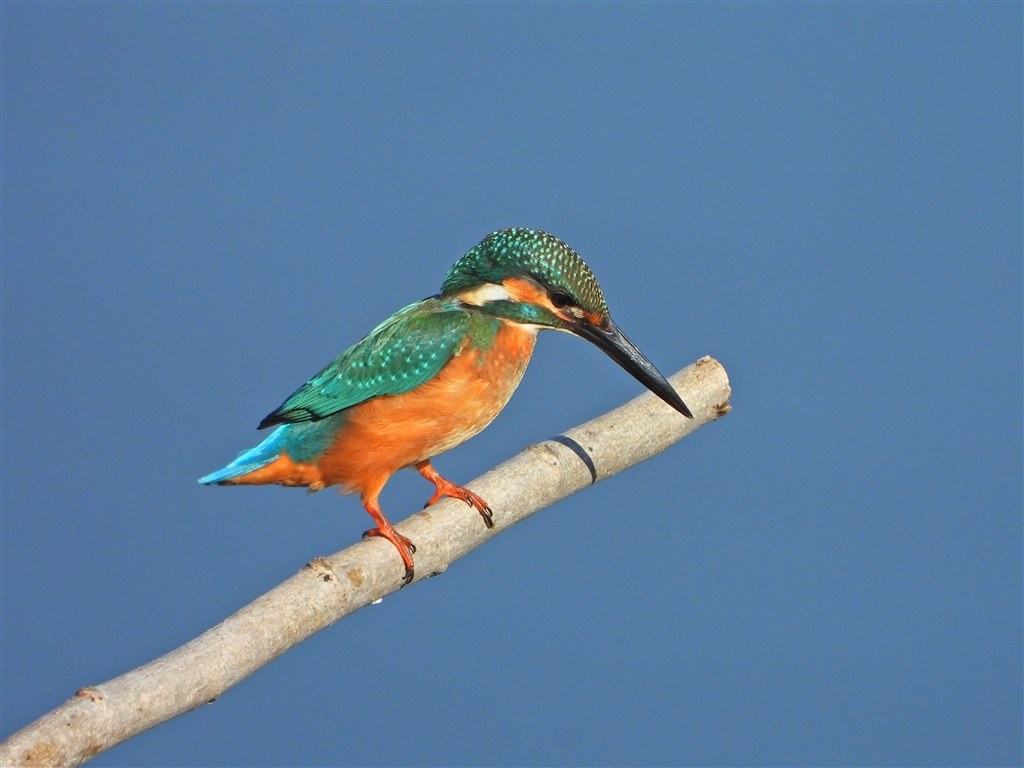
(406, 350)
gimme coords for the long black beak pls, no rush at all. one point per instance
(624, 352)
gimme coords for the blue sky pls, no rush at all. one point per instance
(203, 203)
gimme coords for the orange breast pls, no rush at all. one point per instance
(385, 434)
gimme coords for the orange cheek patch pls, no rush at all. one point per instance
(526, 291)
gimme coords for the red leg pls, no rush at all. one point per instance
(386, 530)
(447, 488)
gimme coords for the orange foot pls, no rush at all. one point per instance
(404, 546)
(448, 488)
(386, 530)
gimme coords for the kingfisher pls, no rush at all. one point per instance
(435, 374)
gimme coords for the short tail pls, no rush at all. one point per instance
(249, 461)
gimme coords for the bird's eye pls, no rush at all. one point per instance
(561, 299)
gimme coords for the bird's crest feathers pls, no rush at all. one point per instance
(532, 254)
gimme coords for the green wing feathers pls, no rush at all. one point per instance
(405, 351)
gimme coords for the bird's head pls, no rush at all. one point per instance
(529, 277)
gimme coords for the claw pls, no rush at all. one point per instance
(405, 548)
(447, 488)
(387, 531)
(405, 540)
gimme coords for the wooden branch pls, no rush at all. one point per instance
(330, 588)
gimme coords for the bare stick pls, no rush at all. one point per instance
(330, 588)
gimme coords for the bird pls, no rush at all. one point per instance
(435, 374)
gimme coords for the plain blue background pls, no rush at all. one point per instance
(204, 203)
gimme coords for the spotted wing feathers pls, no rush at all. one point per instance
(405, 351)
